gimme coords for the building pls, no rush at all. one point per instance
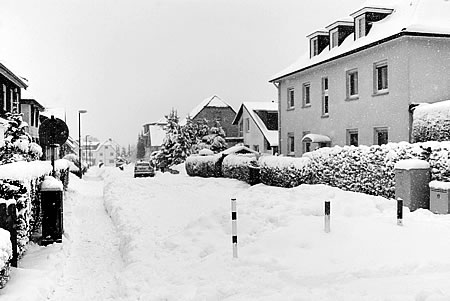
(31, 109)
(217, 111)
(153, 136)
(95, 152)
(258, 125)
(361, 77)
(10, 91)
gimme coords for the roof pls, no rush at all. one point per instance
(161, 121)
(251, 108)
(413, 17)
(212, 101)
(238, 149)
(19, 81)
(32, 102)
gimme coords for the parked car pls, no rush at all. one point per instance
(143, 169)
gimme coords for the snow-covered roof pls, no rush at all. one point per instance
(12, 76)
(212, 101)
(419, 16)
(315, 138)
(161, 121)
(57, 112)
(157, 135)
(238, 149)
(252, 108)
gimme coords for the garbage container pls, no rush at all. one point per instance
(253, 174)
(52, 210)
(411, 183)
(439, 197)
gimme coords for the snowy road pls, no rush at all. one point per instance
(93, 261)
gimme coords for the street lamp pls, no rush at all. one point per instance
(88, 147)
(79, 139)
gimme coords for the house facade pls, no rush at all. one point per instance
(258, 126)
(31, 109)
(95, 152)
(215, 110)
(10, 91)
(153, 136)
(360, 80)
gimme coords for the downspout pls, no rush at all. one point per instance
(277, 85)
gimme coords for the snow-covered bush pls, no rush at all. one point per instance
(204, 166)
(237, 166)
(284, 171)
(431, 122)
(5, 256)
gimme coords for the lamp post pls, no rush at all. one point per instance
(88, 147)
(79, 139)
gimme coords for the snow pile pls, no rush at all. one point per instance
(412, 164)
(50, 183)
(177, 246)
(431, 122)
(25, 170)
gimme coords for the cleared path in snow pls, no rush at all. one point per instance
(93, 258)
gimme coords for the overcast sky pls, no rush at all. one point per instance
(128, 62)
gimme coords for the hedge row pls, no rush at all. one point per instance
(237, 167)
(204, 166)
(362, 169)
(20, 183)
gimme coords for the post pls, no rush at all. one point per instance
(86, 145)
(80, 142)
(327, 217)
(399, 211)
(234, 227)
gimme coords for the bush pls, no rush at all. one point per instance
(204, 166)
(236, 167)
(284, 171)
(431, 122)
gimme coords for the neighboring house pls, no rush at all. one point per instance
(154, 135)
(361, 77)
(31, 109)
(215, 110)
(258, 125)
(106, 153)
(10, 91)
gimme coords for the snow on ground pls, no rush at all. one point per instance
(172, 241)
(175, 234)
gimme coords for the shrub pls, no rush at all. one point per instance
(284, 171)
(204, 166)
(431, 122)
(236, 167)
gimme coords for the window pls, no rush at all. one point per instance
(10, 100)
(256, 147)
(352, 84)
(16, 101)
(334, 38)
(247, 125)
(360, 26)
(111, 154)
(241, 128)
(106, 147)
(380, 77)
(101, 154)
(381, 136)
(291, 144)
(314, 46)
(32, 115)
(306, 145)
(352, 137)
(325, 96)
(111, 161)
(291, 98)
(306, 95)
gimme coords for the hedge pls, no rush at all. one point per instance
(237, 166)
(431, 122)
(284, 171)
(204, 166)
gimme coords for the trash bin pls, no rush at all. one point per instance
(52, 210)
(411, 183)
(439, 197)
(253, 174)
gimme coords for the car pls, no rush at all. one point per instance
(143, 169)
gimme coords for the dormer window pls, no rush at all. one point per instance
(338, 31)
(318, 41)
(365, 17)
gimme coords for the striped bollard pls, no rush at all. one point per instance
(234, 227)
(399, 212)
(327, 217)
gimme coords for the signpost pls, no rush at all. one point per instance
(53, 132)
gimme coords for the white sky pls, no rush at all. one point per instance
(129, 62)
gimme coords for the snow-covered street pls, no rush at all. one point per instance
(169, 238)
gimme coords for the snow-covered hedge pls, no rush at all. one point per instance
(20, 183)
(204, 166)
(5, 256)
(236, 166)
(284, 171)
(431, 122)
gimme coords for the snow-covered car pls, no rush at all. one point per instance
(143, 169)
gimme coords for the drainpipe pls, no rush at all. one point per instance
(277, 85)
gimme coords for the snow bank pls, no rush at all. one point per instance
(175, 236)
(25, 170)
